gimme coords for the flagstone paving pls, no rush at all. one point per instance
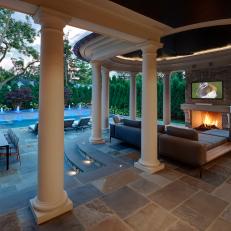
(114, 196)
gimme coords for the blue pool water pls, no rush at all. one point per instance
(24, 118)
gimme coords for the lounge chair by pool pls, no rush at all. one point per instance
(67, 125)
(84, 122)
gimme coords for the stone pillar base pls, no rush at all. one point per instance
(149, 168)
(43, 216)
(96, 140)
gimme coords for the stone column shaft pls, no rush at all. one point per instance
(132, 98)
(167, 99)
(51, 200)
(96, 133)
(105, 98)
(148, 161)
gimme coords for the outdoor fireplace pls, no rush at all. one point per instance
(207, 116)
(204, 120)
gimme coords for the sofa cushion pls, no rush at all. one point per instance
(128, 134)
(132, 123)
(186, 133)
(116, 119)
(161, 128)
(210, 141)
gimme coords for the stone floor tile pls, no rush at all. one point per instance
(17, 200)
(124, 201)
(92, 213)
(223, 161)
(195, 182)
(224, 192)
(195, 219)
(152, 218)
(170, 174)
(144, 186)
(205, 203)
(221, 170)
(9, 222)
(200, 210)
(226, 215)
(116, 181)
(213, 178)
(82, 194)
(173, 194)
(220, 225)
(26, 219)
(229, 180)
(180, 226)
(156, 179)
(67, 221)
(110, 224)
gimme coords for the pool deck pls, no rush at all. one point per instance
(118, 197)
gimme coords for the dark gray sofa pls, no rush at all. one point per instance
(129, 131)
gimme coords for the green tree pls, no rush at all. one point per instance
(16, 35)
(75, 70)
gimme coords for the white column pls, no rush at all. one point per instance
(105, 98)
(51, 200)
(96, 132)
(132, 98)
(148, 161)
(167, 99)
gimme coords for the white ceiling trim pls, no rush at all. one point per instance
(220, 22)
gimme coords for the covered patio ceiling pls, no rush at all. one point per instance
(192, 29)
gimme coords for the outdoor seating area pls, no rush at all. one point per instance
(188, 146)
(115, 115)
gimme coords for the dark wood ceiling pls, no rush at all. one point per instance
(177, 13)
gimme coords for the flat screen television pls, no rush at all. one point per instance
(207, 90)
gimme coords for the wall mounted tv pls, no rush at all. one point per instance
(207, 90)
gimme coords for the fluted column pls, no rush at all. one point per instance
(96, 132)
(132, 98)
(105, 98)
(167, 99)
(149, 161)
(51, 199)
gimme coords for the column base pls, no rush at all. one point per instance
(96, 140)
(148, 168)
(43, 216)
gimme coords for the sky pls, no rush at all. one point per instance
(73, 34)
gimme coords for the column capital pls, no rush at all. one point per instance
(150, 47)
(133, 73)
(96, 62)
(167, 73)
(51, 19)
(105, 70)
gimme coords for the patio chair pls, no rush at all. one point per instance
(34, 128)
(68, 123)
(84, 122)
(13, 142)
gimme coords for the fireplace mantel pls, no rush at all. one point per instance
(206, 107)
(225, 111)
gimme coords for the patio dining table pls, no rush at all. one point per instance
(4, 144)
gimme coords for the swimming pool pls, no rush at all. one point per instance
(13, 119)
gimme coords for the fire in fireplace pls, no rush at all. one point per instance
(208, 122)
(203, 120)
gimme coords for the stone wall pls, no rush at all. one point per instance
(210, 74)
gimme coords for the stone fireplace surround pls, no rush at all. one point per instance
(222, 106)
